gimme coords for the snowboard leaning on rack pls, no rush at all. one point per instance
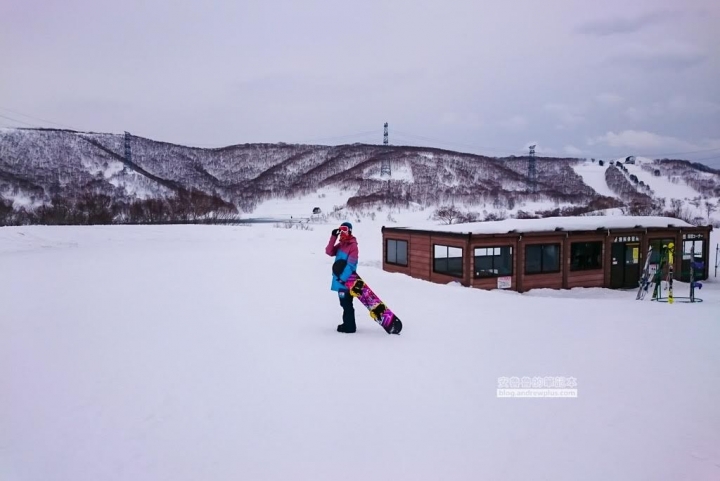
(646, 278)
(378, 309)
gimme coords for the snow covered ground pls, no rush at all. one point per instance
(281, 208)
(593, 175)
(210, 352)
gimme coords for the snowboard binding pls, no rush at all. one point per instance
(377, 311)
(357, 288)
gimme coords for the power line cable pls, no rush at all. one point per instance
(339, 137)
(509, 151)
(36, 118)
(17, 120)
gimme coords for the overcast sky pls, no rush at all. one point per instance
(577, 77)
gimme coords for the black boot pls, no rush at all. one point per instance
(345, 328)
(346, 301)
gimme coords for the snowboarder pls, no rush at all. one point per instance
(346, 254)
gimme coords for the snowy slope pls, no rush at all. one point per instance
(662, 186)
(302, 206)
(594, 176)
(399, 172)
(206, 352)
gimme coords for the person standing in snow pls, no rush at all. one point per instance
(346, 260)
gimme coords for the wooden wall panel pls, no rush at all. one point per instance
(542, 281)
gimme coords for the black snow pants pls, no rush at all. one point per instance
(346, 301)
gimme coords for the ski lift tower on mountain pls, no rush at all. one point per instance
(385, 171)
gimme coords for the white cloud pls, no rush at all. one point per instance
(572, 150)
(682, 104)
(568, 115)
(516, 122)
(449, 118)
(468, 119)
(651, 142)
(663, 55)
(609, 98)
(677, 106)
(617, 25)
(633, 113)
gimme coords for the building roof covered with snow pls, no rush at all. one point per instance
(566, 224)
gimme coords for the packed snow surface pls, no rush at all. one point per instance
(662, 186)
(187, 353)
(593, 175)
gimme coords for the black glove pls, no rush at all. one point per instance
(335, 232)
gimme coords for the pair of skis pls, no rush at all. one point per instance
(645, 280)
(671, 252)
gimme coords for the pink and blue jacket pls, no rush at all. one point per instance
(346, 252)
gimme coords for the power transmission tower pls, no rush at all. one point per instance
(385, 166)
(532, 170)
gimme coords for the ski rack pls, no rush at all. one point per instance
(684, 299)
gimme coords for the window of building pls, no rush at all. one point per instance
(585, 256)
(396, 252)
(657, 248)
(493, 261)
(689, 246)
(448, 260)
(542, 258)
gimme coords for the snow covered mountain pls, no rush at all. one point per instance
(47, 167)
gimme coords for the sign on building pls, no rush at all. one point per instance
(630, 238)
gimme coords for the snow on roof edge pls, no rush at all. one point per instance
(550, 224)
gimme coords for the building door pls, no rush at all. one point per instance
(625, 265)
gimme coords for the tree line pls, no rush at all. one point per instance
(96, 208)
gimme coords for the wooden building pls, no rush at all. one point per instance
(556, 253)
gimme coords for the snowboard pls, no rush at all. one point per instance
(379, 311)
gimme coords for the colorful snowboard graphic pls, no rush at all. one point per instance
(378, 310)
